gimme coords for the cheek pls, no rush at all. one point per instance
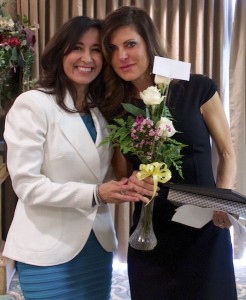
(113, 61)
(65, 64)
(145, 63)
(99, 63)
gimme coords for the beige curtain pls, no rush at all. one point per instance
(237, 89)
(192, 31)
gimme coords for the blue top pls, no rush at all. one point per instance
(87, 119)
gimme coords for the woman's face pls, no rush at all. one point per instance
(84, 62)
(129, 54)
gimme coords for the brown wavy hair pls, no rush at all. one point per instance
(117, 90)
(52, 76)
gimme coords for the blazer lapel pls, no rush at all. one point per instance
(105, 151)
(77, 134)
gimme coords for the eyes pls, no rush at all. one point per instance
(128, 44)
(80, 48)
(131, 44)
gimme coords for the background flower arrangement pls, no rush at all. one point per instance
(17, 40)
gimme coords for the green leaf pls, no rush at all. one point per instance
(132, 109)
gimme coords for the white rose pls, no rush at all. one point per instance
(151, 96)
(162, 81)
(166, 127)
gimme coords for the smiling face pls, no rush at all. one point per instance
(129, 55)
(85, 61)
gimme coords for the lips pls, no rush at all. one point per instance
(126, 67)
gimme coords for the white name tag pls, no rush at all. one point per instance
(171, 68)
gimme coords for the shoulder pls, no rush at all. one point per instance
(34, 100)
(205, 86)
(201, 79)
(197, 81)
(202, 87)
(203, 83)
(34, 96)
(199, 88)
(33, 104)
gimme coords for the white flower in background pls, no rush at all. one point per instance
(162, 82)
(166, 127)
(6, 24)
(151, 96)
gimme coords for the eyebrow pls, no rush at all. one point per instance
(125, 43)
(130, 40)
(98, 45)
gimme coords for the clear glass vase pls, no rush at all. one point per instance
(143, 237)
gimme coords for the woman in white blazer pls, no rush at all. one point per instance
(62, 235)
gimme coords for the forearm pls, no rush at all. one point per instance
(226, 171)
(120, 165)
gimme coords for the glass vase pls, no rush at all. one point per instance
(143, 237)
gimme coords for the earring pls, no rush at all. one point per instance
(151, 68)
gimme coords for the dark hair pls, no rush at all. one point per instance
(52, 76)
(118, 90)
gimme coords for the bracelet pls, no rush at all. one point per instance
(97, 200)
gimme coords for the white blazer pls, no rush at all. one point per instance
(54, 166)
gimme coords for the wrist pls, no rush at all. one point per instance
(97, 200)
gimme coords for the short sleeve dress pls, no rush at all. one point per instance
(187, 263)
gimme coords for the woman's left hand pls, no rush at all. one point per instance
(221, 219)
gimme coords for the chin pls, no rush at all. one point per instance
(127, 77)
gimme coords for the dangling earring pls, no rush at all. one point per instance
(151, 68)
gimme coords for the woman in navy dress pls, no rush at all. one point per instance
(187, 263)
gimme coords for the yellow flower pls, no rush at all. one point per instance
(158, 171)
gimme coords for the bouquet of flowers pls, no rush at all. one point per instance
(147, 133)
(17, 40)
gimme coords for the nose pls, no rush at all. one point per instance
(86, 57)
(122, 54)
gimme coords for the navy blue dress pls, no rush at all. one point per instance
(187, 263)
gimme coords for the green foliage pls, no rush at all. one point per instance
(166, 150)
(148, 133)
